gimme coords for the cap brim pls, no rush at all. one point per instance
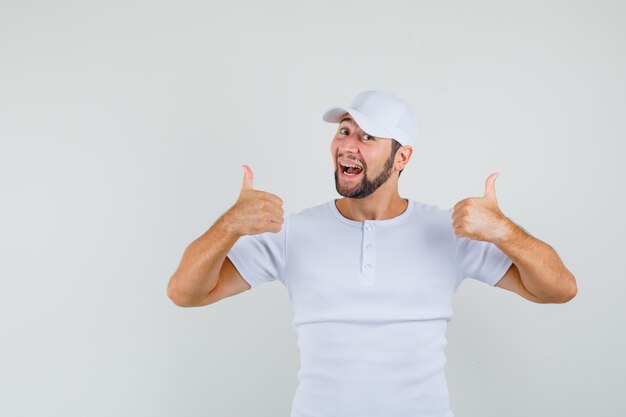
(366, 123)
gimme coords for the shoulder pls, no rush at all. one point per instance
(431, 212)
(313, 214)
(320, 210)
(431, 223)
(426, 207)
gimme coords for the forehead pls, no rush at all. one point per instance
(346, 118)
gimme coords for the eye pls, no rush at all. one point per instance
(345, 131)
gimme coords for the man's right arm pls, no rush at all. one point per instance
(205, 275)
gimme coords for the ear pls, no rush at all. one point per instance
(403, 155)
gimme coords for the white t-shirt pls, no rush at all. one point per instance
(371, 301)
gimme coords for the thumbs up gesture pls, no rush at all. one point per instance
(255, 211)
(480, 218)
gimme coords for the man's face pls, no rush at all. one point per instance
(371, 155)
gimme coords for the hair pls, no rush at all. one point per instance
(395, 145)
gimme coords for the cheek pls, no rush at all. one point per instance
(333, 149)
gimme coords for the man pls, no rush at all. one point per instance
(371, 275)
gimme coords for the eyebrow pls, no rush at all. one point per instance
(349, 120)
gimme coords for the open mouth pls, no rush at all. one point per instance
(350, 170)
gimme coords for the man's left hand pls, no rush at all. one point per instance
(479, 218)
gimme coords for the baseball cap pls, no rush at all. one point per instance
(379, 113)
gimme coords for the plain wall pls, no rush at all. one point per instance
(123, 128)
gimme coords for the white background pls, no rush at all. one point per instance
(123, 127)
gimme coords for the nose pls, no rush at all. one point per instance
(349, 143)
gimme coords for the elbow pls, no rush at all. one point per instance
(176, 297)
(568, 293)
(572, 287)
(178, 300)
(573, 291)
(565, 297)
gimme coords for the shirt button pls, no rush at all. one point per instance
(368, 246)
(368, 266)
(368, 227)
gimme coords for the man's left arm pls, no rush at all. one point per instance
(537, 272)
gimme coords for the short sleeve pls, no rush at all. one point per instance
(480, 260)
(260, 258)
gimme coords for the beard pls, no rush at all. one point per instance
(366, 186)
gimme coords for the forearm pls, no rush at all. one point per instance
(199, 269)
(541, 269)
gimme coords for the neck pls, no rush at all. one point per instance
(372, 207)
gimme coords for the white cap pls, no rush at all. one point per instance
(381, 114)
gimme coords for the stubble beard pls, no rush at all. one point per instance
(366, 186)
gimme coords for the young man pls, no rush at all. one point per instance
(371, 275)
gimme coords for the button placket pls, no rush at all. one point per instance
(368, 264)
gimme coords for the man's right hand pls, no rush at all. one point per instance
(255, 211)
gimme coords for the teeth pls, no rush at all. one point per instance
(349, 165)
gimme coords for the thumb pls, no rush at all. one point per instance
(247, 178)
(490, 188)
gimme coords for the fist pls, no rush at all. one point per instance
(255, 211)
(480, 218)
